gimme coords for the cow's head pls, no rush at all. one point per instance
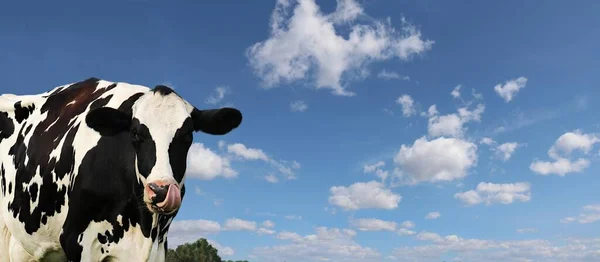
(161, 126)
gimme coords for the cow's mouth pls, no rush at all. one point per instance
(165, 200)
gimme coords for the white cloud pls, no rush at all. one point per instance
(373, 224)
(510, 89)
(305, 40)
(441, 159)
(408, 107)
(561, 166)
(591, 214)
(218, 201)
(487, 141)
(205, 164)
(268, 224)
(384, 74)
(364, 195)
(223, 251)
(271, 178)
(377, 169)
(236, 224)
(526, 230)
(490, 193)
(562, 148)
(242, 151)
(506, 150)
(452, 124)
(218, 95)
(576, 250)
(327, 244)
(407, 224)
(298, 106)
(571, 141)
(433, 215)
(406, 232)
(293, 217)
(431, 111)
(456, 91)
(185, 231)
(265, 231)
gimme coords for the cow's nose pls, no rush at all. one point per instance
(160, 192)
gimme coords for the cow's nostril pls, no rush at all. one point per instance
(159, 191)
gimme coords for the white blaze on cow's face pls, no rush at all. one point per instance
(160, 128)
(161, 133)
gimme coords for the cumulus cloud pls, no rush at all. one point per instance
(407, 103)
(503, 151)
(326, 244)
(304, 40)
(406, 232)
(591, 214)
(268, 224)
(373, 224)
(561, 149)
(218, 95)
(293, 217)
(236, 224)
(271, 178)
(185, 231)
(240, 151)
(456, 91)
(464, 249)
(510, 89)
(433, 215)
(453, 124)
(490, 193)
(377, 168)
(364, 195)
(526, 230)
(298, 106)
(205, 164)
(441, 159)
(384, 74)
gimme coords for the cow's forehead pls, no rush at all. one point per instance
(159, 111)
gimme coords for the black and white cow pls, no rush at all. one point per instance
(95, 170)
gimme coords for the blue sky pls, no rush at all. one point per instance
(341, 155)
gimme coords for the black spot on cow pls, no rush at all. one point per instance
(22, 113)
(7, 127)
(2, 180)
(33, 189)
(9, 188)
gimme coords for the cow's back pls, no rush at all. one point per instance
(43, 139)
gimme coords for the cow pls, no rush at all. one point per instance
(94, 170)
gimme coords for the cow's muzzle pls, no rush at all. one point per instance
(164, 197)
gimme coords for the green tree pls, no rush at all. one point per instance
(199, 251)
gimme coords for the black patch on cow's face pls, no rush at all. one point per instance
(22, 113)
(144, 146)
(7, 127)
(179, 147)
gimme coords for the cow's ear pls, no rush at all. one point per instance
(216, 121)
(108, 121)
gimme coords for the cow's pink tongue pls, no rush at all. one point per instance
(173, 199)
